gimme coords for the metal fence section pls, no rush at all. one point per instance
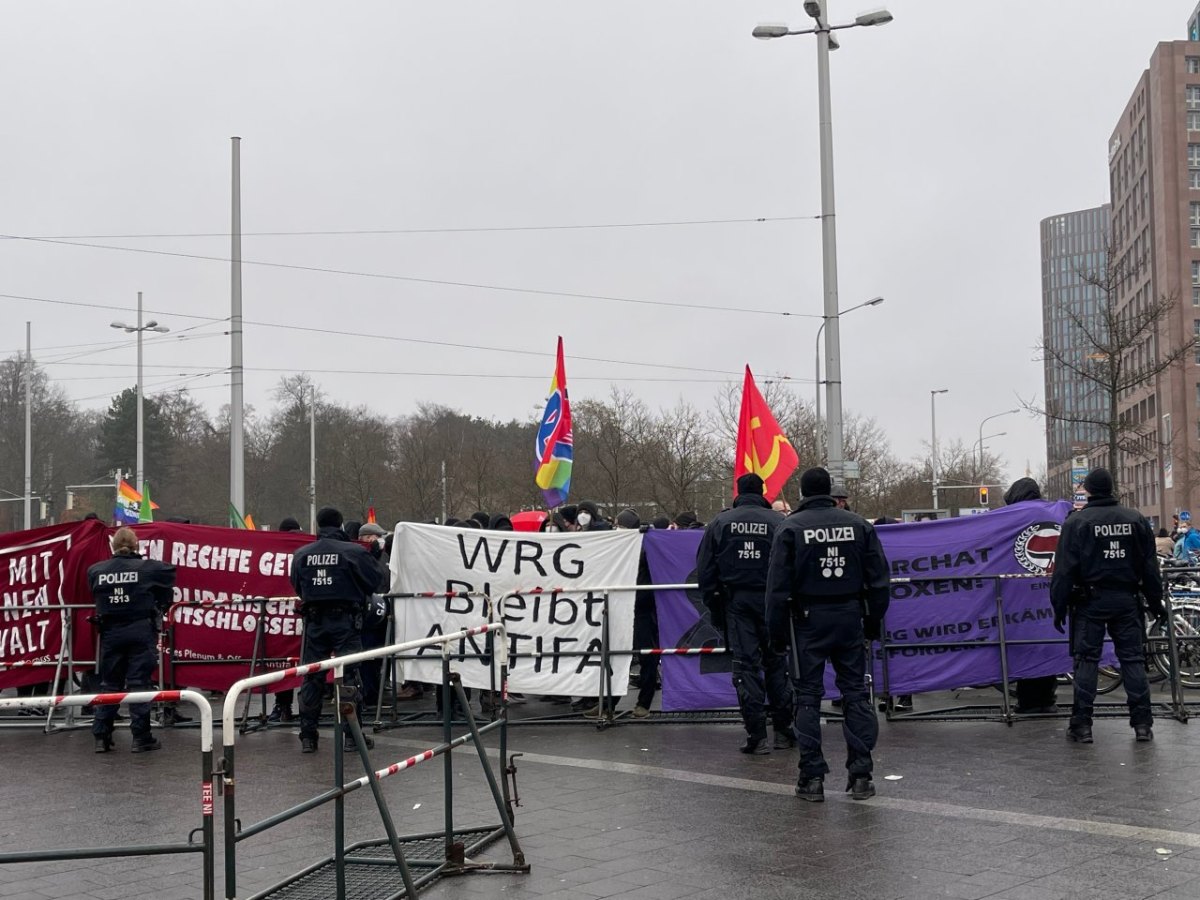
(384, 865)
(206, 847)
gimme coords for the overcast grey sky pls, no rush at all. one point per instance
(957, 127)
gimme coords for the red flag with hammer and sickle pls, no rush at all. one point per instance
(762, 447)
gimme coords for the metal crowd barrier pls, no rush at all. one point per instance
(364, 859)
(1176, 707)
(207, 844)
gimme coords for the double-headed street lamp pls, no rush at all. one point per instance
(139, 329)
(833, 362)
(1007, 412)
(933, 442)
(875, 301)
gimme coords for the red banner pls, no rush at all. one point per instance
(209, 633)
(40, 570)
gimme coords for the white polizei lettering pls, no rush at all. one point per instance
(1116, 530)
(829, 535)
(748, 528)
(321, 559)
(117, 578)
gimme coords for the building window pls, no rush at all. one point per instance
(1196, 237)
(1193, 65)
(1192, 96)
(1194, 179)
(1193, 121)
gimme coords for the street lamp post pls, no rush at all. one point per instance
(833, 357)
(933, 442)
(1007, 412)
(980, 444)
(139, 329)
(875, 301)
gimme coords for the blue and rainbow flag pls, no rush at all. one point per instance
(128, 510)
(553, 451)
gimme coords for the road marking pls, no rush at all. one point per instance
(901, 804)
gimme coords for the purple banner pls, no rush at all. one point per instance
(688, 682)
(941, 593)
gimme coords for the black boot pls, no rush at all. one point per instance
(860, 787)
(1080, 734)
(349, 746)
(1143, 733)
(756, 746)
(145, 743)
(308, 745)
(784, 739)
(104, 743)
(811, 789)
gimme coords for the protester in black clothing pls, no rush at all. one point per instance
(375, 618)
(588, 518)
(281, 712)
(660, 523)
(1034, 695)
(131, 595)
(731, 568)
(500, 522)
(1105, 560)
(827, 591)
(334, 578)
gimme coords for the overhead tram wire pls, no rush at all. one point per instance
(412, 279)
(386, 337)
(756, 220)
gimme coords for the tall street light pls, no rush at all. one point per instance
(981, 443)
(1007, 412)
(139, 329)
(933, 443)
(875, 301)
(833, 356)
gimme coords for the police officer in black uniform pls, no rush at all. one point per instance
(827, 590)
(334, 578)
(1105, 559)
(731, 567)
(131, 594)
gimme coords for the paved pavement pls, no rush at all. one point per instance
(657, 811)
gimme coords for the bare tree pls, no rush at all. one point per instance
(1112, 348)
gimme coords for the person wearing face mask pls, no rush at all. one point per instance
(587, 517)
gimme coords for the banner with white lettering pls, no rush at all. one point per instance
(213, 621)
(39, 571)
(557, 607)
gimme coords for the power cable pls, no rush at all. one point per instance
(452, 230)
(412, 279)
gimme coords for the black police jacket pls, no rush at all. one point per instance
(128, 587)
(1106, 546)
(823, 554)
(333, 572)
(736, 548)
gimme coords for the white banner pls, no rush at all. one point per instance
(558, 609)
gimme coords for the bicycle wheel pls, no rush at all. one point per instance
(1107, 679)
(1186, 622)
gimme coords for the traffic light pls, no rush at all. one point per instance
(983, 496)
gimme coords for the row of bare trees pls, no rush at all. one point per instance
(432, 463)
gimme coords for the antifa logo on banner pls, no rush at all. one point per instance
(704, 634)
(1034, 547)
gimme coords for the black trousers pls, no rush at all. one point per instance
(645, 636)
(760, 675)
(833, 632)
(128, 655)
(325, 635)
(1119, 615)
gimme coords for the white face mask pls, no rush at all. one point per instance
(584, 519)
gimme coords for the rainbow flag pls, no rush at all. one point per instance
(553, 450)
(129, 504)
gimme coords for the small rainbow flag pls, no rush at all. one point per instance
(129, 504)
(554, 451)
